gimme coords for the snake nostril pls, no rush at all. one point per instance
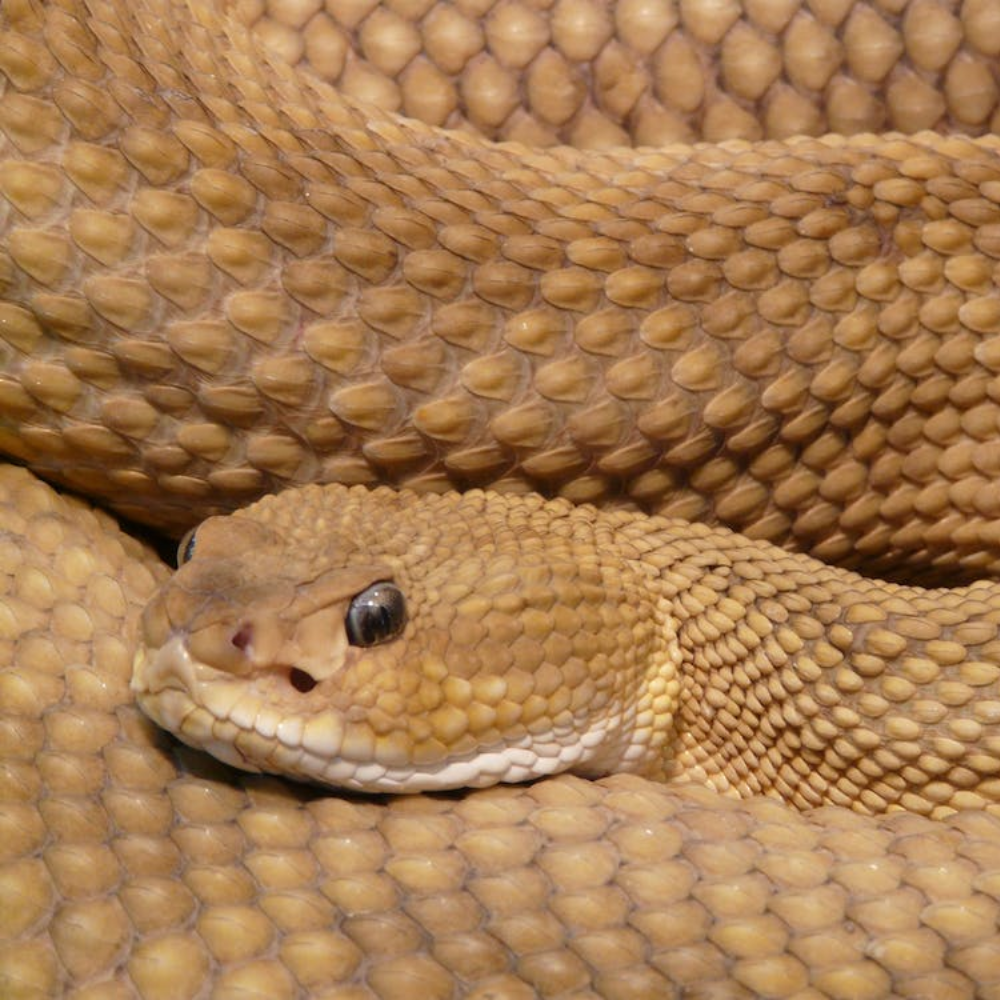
(242, 636)
(301, 681)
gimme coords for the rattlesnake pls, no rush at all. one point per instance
(794, 337)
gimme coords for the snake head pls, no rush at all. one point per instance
(386, 641)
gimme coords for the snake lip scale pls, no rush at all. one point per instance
(164, 684)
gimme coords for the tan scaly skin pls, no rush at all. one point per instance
(221, 276)
(539, 637)
(218, 277)
(133, 867)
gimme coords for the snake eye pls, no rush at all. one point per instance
(185, 551)
(376, 615)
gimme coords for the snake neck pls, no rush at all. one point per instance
(821, 686)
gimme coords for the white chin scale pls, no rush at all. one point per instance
(211, 711)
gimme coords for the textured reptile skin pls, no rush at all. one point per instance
(670, 649)
(218, 277)
(133, 867)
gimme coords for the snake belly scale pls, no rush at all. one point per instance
(223, 270)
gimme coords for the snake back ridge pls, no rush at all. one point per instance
(224, 276)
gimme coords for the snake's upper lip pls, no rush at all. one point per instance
(228, 717)
(172, 685)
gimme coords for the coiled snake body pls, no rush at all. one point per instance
(219, 275)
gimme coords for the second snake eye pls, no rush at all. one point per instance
(376, 615)
(185, 550)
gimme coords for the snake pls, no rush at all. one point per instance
(225, 270)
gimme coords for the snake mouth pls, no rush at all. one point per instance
(209, 710)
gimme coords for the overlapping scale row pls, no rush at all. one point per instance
(586, 73)
(220, 277)
(132, 868)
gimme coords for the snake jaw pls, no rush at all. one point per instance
(209, 711)
(162, 683)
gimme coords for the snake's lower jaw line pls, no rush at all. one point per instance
(226, 719)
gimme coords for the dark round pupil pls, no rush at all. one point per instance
(376, 615)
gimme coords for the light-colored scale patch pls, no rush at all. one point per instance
(190, 699)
